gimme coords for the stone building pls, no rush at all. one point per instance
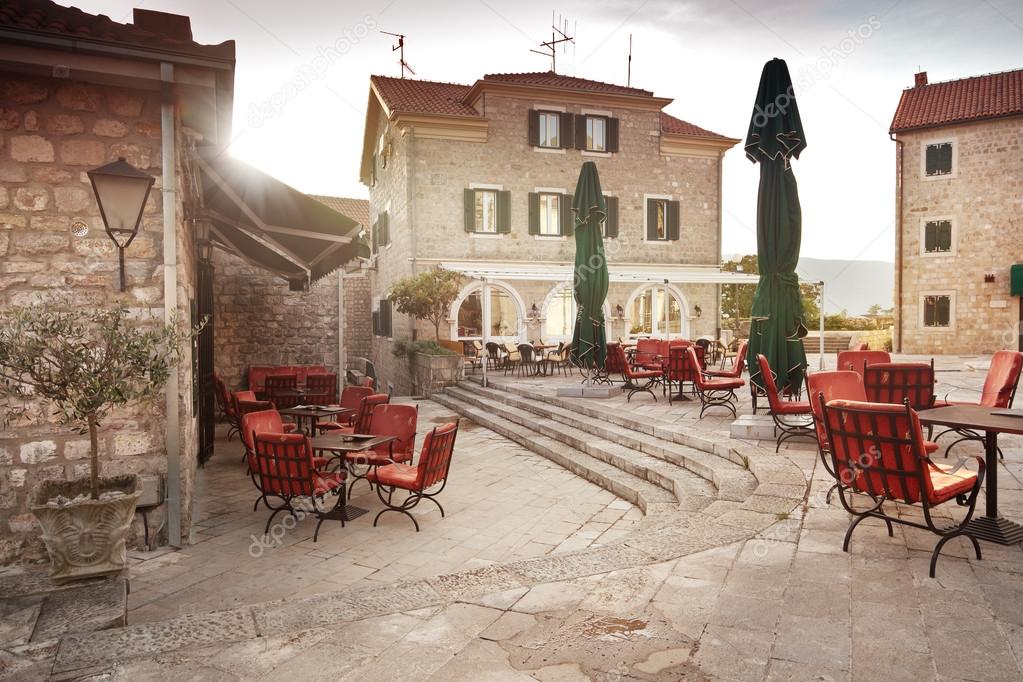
(479, 178)
(959, 213)
(77, 91)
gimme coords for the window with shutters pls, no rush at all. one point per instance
(382, 318)
(609, 226)
(662, 219)
(550, 214)
(936, 310)
(596, 134)
(937, 237)
(550, 123)
(939, 159)
(487, 210)
(382, 231)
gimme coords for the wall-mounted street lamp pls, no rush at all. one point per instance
(698, 310)
(534, 313)
(619, 312)
(203, 241)
(121, 191)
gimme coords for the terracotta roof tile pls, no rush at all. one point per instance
(676, 126)
(423, 97)
(557, 80)
(43, 16)
(356, 209)
(959, 101)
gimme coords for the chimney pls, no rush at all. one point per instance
(920, 79)
(163, 23)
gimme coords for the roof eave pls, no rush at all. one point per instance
(649, 101)
(944, 124)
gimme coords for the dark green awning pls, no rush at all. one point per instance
(273, 225)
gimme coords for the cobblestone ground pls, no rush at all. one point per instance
(502, 503)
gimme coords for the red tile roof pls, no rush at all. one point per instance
(423, 97)
(49, 18)
(556, 80)
(676, 126)
(356, 209)
(969, 99)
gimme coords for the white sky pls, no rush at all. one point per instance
(705, 54)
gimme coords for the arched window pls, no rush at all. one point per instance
(646, 314)
(560, 311)
(503, 314)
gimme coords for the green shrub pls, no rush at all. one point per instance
(404, 347)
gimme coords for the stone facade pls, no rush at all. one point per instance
(983, 199)
(51, 132)
(421, 189)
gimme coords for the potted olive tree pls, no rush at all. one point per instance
(73, 366)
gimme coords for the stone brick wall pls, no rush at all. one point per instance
(422, 189)
(51, 132)
(984, 200)
(259, 321)
(358, 342)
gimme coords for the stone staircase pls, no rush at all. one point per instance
(656, 469)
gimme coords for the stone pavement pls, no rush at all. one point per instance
(681, 595)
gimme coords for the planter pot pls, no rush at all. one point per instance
(86, 537)
(432, 373)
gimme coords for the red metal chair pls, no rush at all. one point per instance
(276, 384)
(651, 376)
(351, 398)
(321, 389)
(387, 420)
(264, 421)
(878, 450)
(854, 360)
(714, 391)
(899, 382)
(679, 368)
(369, 382)
(999, 392)
(648, 354)
(793, 418)
(736, 369)
(286, 470)
(363, 416)
(226, 405)
(613, 363)
(430, 471)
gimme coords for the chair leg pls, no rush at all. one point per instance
(849, 532)
(941, 543)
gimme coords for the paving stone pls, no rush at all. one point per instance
(590, 562)
(95, 606)
(814, 641)
(734, 653)
(477, 582)
(18, 620)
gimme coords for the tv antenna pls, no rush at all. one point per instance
(628, 76)
(401, 56)
(558, 37)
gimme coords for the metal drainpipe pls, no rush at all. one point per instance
(410, 204)
(341, 364)
(172, 425)
(899, 163)
(721, 210)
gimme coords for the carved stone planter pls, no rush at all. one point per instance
(86, 537)
(432, 373)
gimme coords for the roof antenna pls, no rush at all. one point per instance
(550, 46)
(401, 56)
(628, 77)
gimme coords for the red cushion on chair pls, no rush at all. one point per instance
(320, 461)
(930, 446)
(376, 458)
(396, 475)
(945, 486)
(792, 407)
(290, 428)
(724, 384)
(324, 482)
(645, 373)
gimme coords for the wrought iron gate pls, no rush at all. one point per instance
(204, 366)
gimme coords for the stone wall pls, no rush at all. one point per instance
(358, 318)
(259, 321)
(984, 201)
(51, 132)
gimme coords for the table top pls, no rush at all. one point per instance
(336, 443)
(315, 411)
(974, 417)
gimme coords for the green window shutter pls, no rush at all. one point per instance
(567, 215)
(385, 229)
(374, 238)
(373, 176)
(533, 127)
(930, 240)
(945, 157)
(566, 134)
(376, 323)
(943, 311)
(673, 221)
(612, 134)
(580, 132)
(504, 212)
(944, 236)
(534, 213)
(469, 209)
(651, 219)
(385, 317)
(612, 217)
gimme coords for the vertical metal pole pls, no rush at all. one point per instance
(664, 306)
(342, 364)
(484, 310)
(820, 360)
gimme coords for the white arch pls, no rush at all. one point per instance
(476, 285)
(554, 291)
(683, 304)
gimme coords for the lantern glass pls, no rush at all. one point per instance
(121, 192)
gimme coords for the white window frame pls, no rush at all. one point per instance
(600, 113)
(543, 130)
(674, 292)
(472, 287)
(923, 237)
(560, 191)
(554, 292)
(951, 311)
(924, 144)
(646, 208)
(591, 122)
(487, 187)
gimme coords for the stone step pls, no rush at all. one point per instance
(753, 427)
(640, 491)
(732, 480)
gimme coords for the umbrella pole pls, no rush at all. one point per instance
(484, 298)
(820, 360)
(664, 306)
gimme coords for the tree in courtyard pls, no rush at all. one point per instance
(427, 296)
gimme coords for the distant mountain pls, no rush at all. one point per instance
(852, 285)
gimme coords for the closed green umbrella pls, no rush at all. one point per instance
(775, 137)
(589, 344)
